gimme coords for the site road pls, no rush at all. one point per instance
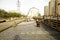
(29, 31)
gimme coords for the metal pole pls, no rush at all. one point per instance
(18, 5)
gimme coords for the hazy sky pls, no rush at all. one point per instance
(25, 5)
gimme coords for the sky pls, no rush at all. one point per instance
(25, 5)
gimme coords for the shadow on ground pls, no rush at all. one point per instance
(51, 31)
(16, 37)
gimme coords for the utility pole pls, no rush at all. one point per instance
(18, 5)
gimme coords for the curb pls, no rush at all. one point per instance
(13, 25)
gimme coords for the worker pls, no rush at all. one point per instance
(38, 23)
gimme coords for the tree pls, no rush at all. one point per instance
(4, 14)
(37, 17)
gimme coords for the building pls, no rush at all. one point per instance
(52, 8)
(58, 7)
(46, 10)
(53, 20)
